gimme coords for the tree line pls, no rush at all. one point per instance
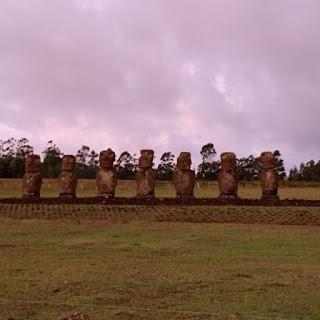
(13, 153)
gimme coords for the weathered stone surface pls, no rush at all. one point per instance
(32, 180)
(146, 175)
(184, 178)
(269, 179)
(68, 179)
(227, 177)
(107, 175)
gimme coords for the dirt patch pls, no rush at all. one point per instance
(165, 201)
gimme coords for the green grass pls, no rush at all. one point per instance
(158, 270)
(203, 189)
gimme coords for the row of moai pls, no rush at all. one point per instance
(183, 178)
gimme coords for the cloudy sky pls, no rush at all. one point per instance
(170, 75)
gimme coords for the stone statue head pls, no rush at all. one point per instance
(267, 160)
(107, 158)
(184, 161)
(228, 161)
(146, 159)
(32, 163)
(68, 163)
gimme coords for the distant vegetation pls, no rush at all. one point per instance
(14, 151)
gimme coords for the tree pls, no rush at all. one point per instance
(23, 148)
(2, 147)
(52, 161)
(279, 165)
(208, 152)
(208, 168)
(12, 157)
(166, 166)
(93, 159)
(82, 156)
(309, 171)
(8, 147)
(5, 158)
(126, 165)
(248, 168)
(4, 167)
(16, 167)
(295, 174)
(86, 163)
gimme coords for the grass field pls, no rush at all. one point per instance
(121, 262)
(158, 270)
(203, 189)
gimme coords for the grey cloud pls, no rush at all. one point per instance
(171, 75)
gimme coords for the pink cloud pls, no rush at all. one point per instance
(115, 73)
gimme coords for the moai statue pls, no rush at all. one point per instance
(68, 179)
(227, 177)
(184, 178)
(31, 182)
(269, 179)
(107, 175)
(146, 175)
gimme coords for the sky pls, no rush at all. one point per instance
(170, 75)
